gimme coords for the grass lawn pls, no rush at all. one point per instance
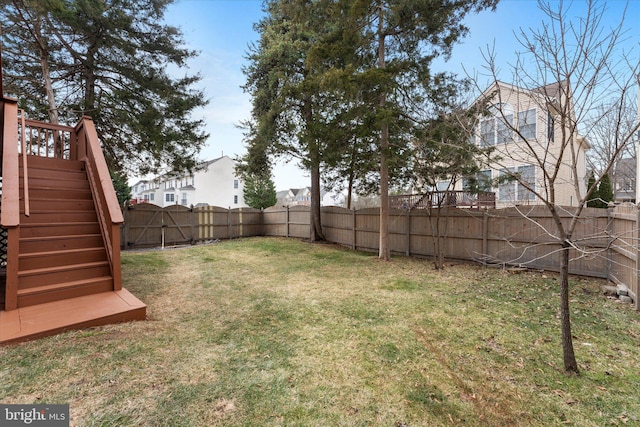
(277, 332)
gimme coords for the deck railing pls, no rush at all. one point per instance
(48, 140)
(104, 195)
(442, 199)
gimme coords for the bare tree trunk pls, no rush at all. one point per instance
(350, 190)
(384, 250)
(570, 363)
(46, 75)
(316, 223)
(315, 229)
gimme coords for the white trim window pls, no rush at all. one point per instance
(482, 181)
(507, 187)
(528, 177)
(170, 198)
(527, 123)
(487, 132)
(514, 189)
(499, 128)
(504, 133)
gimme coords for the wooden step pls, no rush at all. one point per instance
(59, 194)
(47, 259)
(81, 183)
(55, 174)
(77, 313)
(36, 204)
(38, 162)
(59, 243)
(59, 229)
(62, 291)
(59, 217)
(61, 274)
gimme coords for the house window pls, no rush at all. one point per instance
(146, 197)
(507, 186)
(169, 197)
(487, 130)
(481, 182)
(528, 177)
(511, 189)
(443, 185)
(504, 133)
(235, 200)
(152, 197)
(499, 128)
(235, 183)
(527, 123)
(184, 199)
(550, 127)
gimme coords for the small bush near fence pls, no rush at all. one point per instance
(514, 236)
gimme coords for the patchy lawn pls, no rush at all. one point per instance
(274, 332)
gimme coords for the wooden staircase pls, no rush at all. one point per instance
(62, 223)
(62, 254)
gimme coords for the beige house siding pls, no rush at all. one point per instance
(539, 152)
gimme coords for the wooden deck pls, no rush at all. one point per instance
(76, 313)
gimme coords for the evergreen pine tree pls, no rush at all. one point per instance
(593, 199)
(605, 191)
(259, 191)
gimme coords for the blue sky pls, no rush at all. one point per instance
(221, 30)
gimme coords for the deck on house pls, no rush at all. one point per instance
(76, 313)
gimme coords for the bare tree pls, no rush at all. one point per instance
(567, 73)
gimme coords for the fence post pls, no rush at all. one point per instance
(287, 220)
(485, 233)
(192, 220)
(610, 219)
(125, 228)
(408, 232)
(636, 303)
(229, 222)
(353, 224)
(240, 223)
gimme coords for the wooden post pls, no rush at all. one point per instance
(353, 224)
(485, 233)
(287, 219)
(636, 233)
(240, 231)
(408, 232)
(229, 222)
(11, 288)
(610, 219)
(193, 216)
(125, 227)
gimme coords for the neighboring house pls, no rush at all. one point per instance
(294, 197)
(297, 197)
(214, 183)
(143, 192)
(624, 180)
(532, 114)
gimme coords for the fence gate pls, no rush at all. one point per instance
(151, 226)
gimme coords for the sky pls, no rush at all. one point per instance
(222, 30)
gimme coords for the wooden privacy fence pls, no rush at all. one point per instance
(147, 225)
(523, 236)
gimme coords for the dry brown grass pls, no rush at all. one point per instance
(281, 332)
